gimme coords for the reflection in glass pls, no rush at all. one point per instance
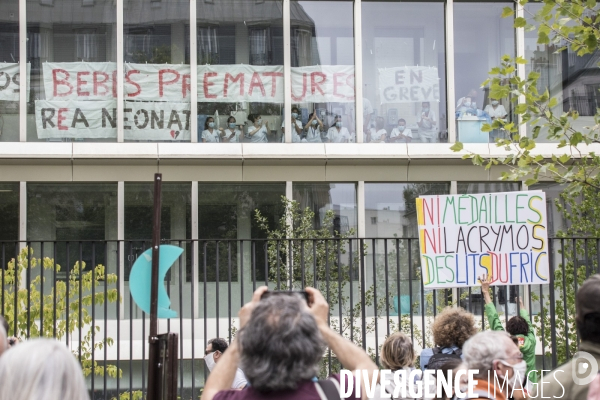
(71, 48)
(9, 71)
(487, 187)
(404, 72)
(481, 38)
(322, 35)
(390, 207)
(9, 220)
(157, 71)
(322, 197)
(573, 80)
(240, 71)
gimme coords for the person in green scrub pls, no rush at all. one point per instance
(519, 327)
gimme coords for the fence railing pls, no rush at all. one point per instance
(78, 292)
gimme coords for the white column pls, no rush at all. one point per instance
(360, 205)
(358, 82)
(287, 70)
(120, 77)
(194, 90)
(520, 34)
(194, 232)
(450, 95)
(23, 71)
(121, 241)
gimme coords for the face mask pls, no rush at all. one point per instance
(259, 121)
(425, 109)
(338, 124)
(210, 361)
(314, 122)
(401, 128)
(494, 103)
(467, 104)
(211, 124)
(519, 372)
(232, 125)
(294, 115)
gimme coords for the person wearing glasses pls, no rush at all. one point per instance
(213, 353)
(519, 327)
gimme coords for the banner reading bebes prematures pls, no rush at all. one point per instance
(503, 235)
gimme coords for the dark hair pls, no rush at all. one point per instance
(218, 344)
(402, 120)
(281, 346)
(448, 367)
(589, 329)
(335, 119)
(296, 108)
(517, 325)
(230, 118)
(4, 323)
(253, 117)
(206, 122)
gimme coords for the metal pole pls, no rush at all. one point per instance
(153, 378)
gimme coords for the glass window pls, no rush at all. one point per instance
(390, 207)
(322, 38)
(487, 187)
(240, 71)
(10, 77)
(404, 72)
(157, 71)
(322, 197)
(481, 38)
(9, 220)
(71, 50)
(571, 79)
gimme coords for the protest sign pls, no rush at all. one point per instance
(462, 237)
(409, 84)
(156, 120)
(323, 84)
(76, 119)
(10, 81)
(157, 82)
(80, 80)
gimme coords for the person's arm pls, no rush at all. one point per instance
(350, 355)
(254, 131)
(490, 308)
(221, 377)
(525, 315)
(298, 127)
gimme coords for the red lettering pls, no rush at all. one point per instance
(100, 83)
(316, 85)
(114, 83)
(162, 82)
(336, 84)
(256, 82)
(128, 80)
(273, 76)
(239, 78)
(208, 84)
(185, 85)
(57, 81)
(296, 98)
(61, 118)
(81, 82)
(350, 82)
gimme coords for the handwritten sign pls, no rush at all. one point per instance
(503, 235)
(409, 84)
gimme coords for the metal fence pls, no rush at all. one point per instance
(78, 292)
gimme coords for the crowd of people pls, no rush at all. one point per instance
(279, 349)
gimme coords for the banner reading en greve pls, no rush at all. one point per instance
(409, 84)
(462, 237)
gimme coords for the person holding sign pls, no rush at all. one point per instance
(210, 134)
(314, 127)
(518, 326)
(232, 134)
(338, 133)
(258, 131)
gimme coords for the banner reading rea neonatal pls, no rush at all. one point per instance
(463, 237)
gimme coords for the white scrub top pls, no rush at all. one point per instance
(396, 132)
(210, 137)
(236, 137)
(498, 112)
(313, 135)
(260, 136)
(295, 137)
(336, 136)
(378, 136)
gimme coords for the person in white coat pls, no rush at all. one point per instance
(232, 134)
(314, 127)
(297, 127)
(211, 134)
(338, 133)
(377, 134)
(258, 131)
(401, 133)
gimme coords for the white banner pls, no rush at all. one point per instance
(10, 81)
(157, 82)
(80, 80)
(76, 119)
(237, 83)
(157, 121)
(409, 84)
(503, 235)
(323, 84)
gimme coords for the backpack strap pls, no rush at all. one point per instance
(436, 350)
(328, 389)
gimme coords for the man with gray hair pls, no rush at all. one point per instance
(500, 365)
(279, 346)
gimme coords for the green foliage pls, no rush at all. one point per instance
(32, 306)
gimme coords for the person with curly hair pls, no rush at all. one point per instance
(451, 329)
